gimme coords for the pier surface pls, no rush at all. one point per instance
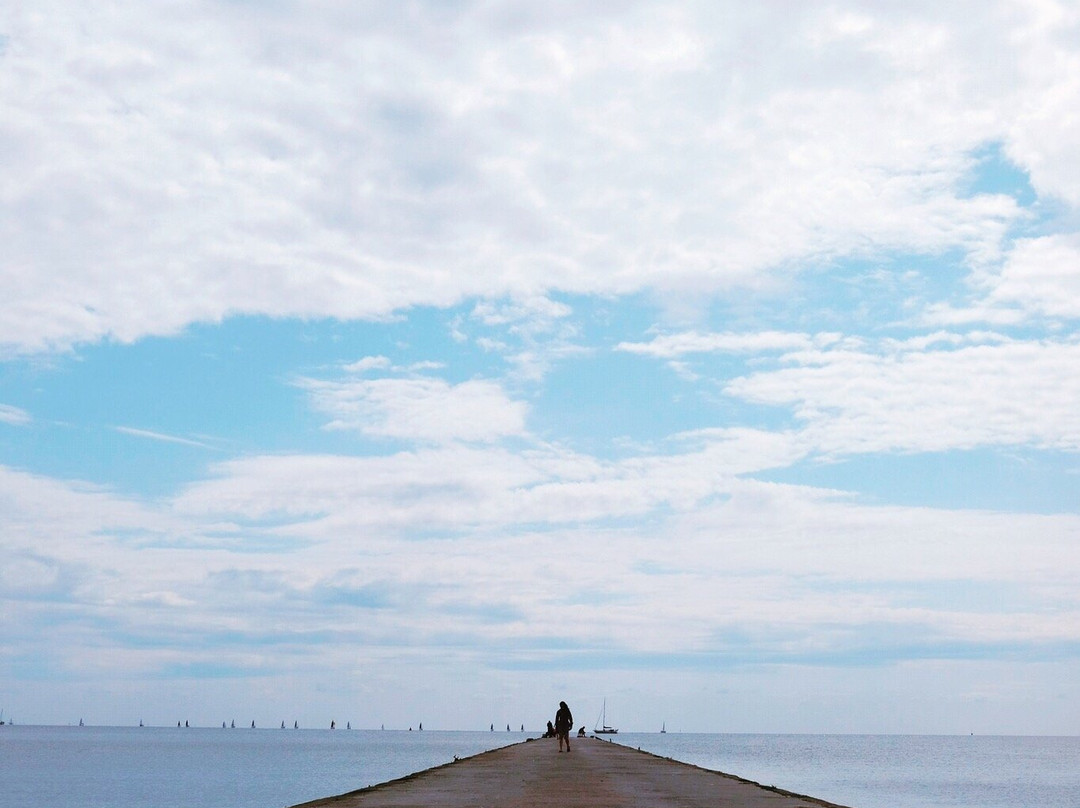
(595, 774)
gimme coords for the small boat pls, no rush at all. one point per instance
(663, 728)
(602, 727)
(296, 725)
(283, 725)
(81, 723)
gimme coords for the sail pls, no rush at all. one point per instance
(602, 727)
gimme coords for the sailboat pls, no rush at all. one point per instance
(663, 728)
(602, 727)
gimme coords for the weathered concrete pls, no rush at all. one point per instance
(595, 774)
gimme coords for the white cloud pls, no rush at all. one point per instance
(1041, 276)
(1036, 282)
(531, 314)
(432, 542)
(159, 436)
(459, 486)
(14, 416)
(1044, 37)
(368, 363)
(1001, 393)
(422, 409)
(273, 564)
(178, 165)
(674, 345)
(167, 165)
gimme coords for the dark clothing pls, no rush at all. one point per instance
(564, 721)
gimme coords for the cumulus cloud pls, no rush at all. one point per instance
(908, 398)
(1037, 282)
(1041, 276)
(422, 409)
(532, 334)
(469, 487)
(467, 542)
(172, 165)
(169, 166)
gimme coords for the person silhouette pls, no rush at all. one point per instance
(564, 722)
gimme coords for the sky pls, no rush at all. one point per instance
(439, 361)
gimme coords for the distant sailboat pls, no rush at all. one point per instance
(283, 725)
(296, 725)
(663, 728)
(602, 727)
(348, 725)
(232, 724)
(80, 722)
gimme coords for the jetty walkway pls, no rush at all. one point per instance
(595, 774)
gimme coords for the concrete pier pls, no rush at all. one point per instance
(595, 774)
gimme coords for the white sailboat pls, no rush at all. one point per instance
(602, 727)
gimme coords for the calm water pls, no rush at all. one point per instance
(119, 767)
(130, 767)
(892, 771)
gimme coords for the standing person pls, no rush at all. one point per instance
(564, 722)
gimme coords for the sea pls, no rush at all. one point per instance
(155, 767)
